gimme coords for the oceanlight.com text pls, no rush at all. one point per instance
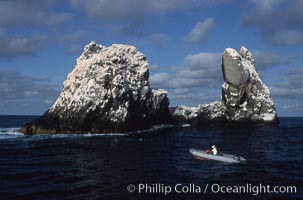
(192, 188)
(252, 189)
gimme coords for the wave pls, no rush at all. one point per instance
(10, 133)
(13, 133)
(84, 135)
(152, 129)
(158, 128)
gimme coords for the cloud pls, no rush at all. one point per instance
(23, 24)
(14, 85)
(201, 31)
(296, 106)
(278, 21)
(197, 70)
(288, 93)
(202, 70)
(74, 48)
(159, 78)
(31, 13)
(120, 10)
(154, 67)
(265, 60)
(130, 17)
(203, 61)
(18, 90)
(73, 39)
(198, 79)
(159, 39)
(127, 18)
(14, 46)
(290, 87)
(193, 97)
(212, 3)
(288, 37)
(75, 36)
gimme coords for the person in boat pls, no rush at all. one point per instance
(214, 149)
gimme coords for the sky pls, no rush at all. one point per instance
(182, 39)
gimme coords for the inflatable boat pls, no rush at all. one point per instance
(223, 157)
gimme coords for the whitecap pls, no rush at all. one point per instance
(13, 132)
(10, 133)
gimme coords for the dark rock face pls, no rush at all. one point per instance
(108, 91)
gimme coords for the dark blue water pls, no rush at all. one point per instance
(102, 166)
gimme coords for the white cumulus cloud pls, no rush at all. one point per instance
(201, 30)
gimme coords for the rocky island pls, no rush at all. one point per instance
(109, 91)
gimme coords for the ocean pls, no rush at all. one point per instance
(152, 164)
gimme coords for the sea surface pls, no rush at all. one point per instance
(103, 166)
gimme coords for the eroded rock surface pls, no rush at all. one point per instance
(200, 115)
(107, 91)
(244, 95)
(245, 99)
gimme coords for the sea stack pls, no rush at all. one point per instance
(107, 91)
(244, 95)
(245, 99)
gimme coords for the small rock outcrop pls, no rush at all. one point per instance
(107, 91)
(245, 99)
(201, 115)
(244, 95)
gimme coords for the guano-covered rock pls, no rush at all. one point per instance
(107, 91)
(245, 99)
(244, 95)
